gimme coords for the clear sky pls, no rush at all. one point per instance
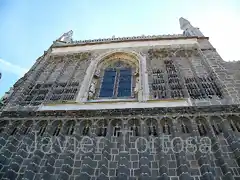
(28, 27)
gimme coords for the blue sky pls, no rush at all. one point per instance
(28, 27)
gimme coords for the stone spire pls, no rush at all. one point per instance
(188, 29)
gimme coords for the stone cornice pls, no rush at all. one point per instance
(124, 39)
(191, 110)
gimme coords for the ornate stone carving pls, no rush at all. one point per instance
(136, 89)
(92, 88)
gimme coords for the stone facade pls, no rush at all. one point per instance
(181, 123)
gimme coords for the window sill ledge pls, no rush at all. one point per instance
(110, 100)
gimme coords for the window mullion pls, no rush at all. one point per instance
(116, 83)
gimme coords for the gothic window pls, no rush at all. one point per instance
(234, 123)
(152, 127)
(42, 129)
(117, 81)
(117, 131)
(165, 126)
(14, 128)
(26, 127)
(134, 125)
(185, 127)
(2, 125)
(57, 129)
(201, 126)
(86, 130)
(102, 128)
(70, 127)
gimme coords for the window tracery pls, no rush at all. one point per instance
(201, 126)
(234, 123)
(70, 126)
(15, 127)
(3, 124)
(42, 129)
(102, 128)
(26, 127)
(166, 129)
(152, 127)
(134, 126)
(58, 127)
(185, 125)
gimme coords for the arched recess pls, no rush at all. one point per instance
(185, 125)
(202, 126)
(234, 122)
(152, 127)
(85, 127)
(135, 60)
(216, 123)
(135, 126)
(102, 126)
(3, 125)
(166, 125)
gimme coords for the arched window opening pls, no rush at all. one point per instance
(3, 125)
(86, 130)
(166, 128)
(117, 130)
(70, 127)
(152, 130)
(27, 127)
(234, 123)
(102, 128)
(185, 125)
(43, 126)
(117, 80)
(215, 123)
(57, 129)
(15, 127)
(134, 127)
(152, 127)
(202, 130)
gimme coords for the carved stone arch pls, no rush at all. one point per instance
(137, 58)
(166, 125)
(234, 122)
(69, 127)
(85, 127)
(184, 124)
(3, 125)
(152, 127)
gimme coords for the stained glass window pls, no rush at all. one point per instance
(117, 81)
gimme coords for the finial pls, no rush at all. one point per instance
(183, 23)
(66, 37)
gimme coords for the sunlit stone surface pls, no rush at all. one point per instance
(160, 107)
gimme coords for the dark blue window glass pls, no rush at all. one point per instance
(107, 88)
(125, 82)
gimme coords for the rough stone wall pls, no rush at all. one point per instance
(116, 156)
(223, 77)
